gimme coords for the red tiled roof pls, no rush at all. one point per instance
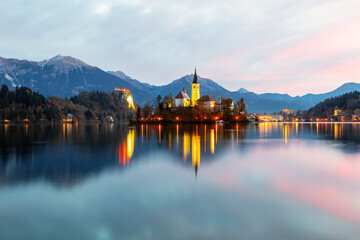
(182, 95)
(206, 98)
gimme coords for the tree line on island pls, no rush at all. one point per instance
(162, 109)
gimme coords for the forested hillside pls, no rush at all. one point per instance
(348, 103)
(24, 105)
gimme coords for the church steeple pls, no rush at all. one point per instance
(195, 90)
(195, 77)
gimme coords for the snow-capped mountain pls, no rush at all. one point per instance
(65, 76)
(62, 76)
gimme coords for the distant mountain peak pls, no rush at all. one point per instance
(119, 74)
(63, 63)
(242, 90)
(59, 56)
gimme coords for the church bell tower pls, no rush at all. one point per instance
(195, 90)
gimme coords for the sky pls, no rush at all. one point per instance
(282, 46)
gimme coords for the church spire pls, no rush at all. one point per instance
(195, 77)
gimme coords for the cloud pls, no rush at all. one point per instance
(252, 44)
(102, 8)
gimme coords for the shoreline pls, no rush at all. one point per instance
(168, 123)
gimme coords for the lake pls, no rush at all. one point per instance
(255, 181)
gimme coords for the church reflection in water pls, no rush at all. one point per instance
(65, 154)
(191, 143)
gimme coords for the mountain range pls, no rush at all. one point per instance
(65, 76)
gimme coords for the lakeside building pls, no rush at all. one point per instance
(270, 118)
(287, 111)
(182, 99)
(337, 112)
(207, 102)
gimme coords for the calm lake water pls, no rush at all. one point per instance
(257, 181)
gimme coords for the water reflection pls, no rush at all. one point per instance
(291, 180)
(68, 153)
(126, 148)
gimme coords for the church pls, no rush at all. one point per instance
(183, 100)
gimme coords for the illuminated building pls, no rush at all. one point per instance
(265, 118)
(69, 118)
(195, 90)
(207, 102)
(270, 118)
(128, 97)
(182, 99)
(287, 111)
(337, 112)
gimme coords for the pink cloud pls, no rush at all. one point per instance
(350, 68)
(341, 38)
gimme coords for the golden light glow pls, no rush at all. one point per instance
(205, 138)
(186, 147)
(195, 93)
(130, 143)
(146, 132)
(170, 140)
(128, 97)
(159, 134)
(177, 133)
(212, 141)
(64, 130)
(286, 133)
(126, 148)
(265, 129)
(6, 127)
(336, 130)
(142, 133)
(195, 151)
(130, 101)
(237, 133)
(216, 133)
(317, 128)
